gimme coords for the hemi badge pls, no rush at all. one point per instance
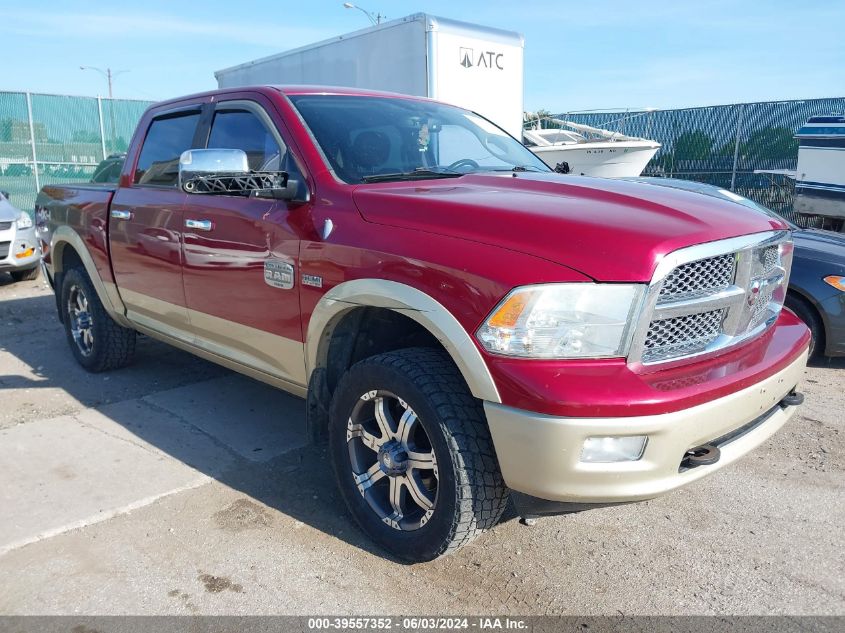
(278, 274)
(312, 280)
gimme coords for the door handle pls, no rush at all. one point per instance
(199, 225)
(121, 215)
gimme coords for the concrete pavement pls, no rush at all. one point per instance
(177, 487)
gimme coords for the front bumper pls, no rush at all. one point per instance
(540, 455)
(18, 249)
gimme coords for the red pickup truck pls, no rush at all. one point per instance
(466, 325)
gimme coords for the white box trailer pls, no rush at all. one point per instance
(468, 65)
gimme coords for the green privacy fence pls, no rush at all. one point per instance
(48, 138)
(725, 145)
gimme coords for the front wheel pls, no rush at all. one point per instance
(412, 454)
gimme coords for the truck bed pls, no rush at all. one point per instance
(84, 208)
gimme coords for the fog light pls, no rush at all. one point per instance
(25, 253)
(603, 450)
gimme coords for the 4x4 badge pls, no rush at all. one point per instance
(278, 274)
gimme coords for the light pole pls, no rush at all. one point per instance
(108, 73)
(374, 19)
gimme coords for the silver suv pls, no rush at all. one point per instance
(19, 253)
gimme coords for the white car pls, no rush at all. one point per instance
(19, 252)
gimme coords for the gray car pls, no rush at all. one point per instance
(19, 252)
(817, 283)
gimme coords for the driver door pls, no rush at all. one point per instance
(231, 243)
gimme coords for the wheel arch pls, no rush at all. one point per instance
(409, 302)
(807, 298)
(66, 248)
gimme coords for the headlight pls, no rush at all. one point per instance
(24, 222)
(578, 320)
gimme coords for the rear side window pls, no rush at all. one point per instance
(243, 130)
(166, 139)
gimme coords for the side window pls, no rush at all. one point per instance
(166, 139)
(242, 129)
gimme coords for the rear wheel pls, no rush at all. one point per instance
(412, 454)
(25, 275)
(808, 314)
(97, 342)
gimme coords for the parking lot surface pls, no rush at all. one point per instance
(177, 487)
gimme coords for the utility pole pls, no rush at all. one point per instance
(108, 73)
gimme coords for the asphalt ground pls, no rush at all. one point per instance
(177, 487)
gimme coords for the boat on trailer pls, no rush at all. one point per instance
(590, 151)
(820, 175)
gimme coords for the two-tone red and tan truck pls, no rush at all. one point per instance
(466, 325)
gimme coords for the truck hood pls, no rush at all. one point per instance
(609, 230)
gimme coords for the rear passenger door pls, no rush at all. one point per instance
(145, 226)
(241, 254)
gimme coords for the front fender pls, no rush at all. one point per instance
(413, 303)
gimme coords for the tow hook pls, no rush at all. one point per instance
(792, 399)
(704, 455)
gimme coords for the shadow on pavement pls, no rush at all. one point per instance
(298, 483)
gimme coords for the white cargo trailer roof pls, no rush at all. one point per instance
(475, 67)
(431, 22)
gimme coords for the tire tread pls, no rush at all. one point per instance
(116, 345)
(25, 275)
(481, 491)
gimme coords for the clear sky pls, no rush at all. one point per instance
(579, 54)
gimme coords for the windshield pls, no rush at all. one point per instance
(383, 138)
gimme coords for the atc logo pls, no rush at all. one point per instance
(466, 57)
(485, 59)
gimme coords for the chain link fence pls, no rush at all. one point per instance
(46, 139)
(725, 145)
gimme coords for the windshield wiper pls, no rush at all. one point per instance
(524, 168)
(519, 168)
(420, 173)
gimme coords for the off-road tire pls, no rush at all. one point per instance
(471, 494)
(113, 345)
(808, 314)
(25, 275)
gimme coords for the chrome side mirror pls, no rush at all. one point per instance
(204, 162)
(227, 172)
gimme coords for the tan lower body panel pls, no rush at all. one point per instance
(268, 357)
(295, 389)
(540, 455)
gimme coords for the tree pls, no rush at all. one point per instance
(695, 145)
(770, 143)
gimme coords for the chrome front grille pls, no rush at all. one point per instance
(682, 335)
(768, 258)
(708, 297)
(702, 277)
(5, 226)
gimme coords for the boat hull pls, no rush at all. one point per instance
(604, 160)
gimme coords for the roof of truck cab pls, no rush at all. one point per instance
(341, 90)
(288, 91)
